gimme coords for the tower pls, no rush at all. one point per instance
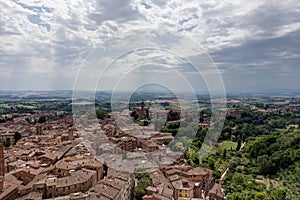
(143, 106)
(71, 133)
(39, 129)
(1, 168)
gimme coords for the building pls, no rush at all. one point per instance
(8, 135)
(148, 146)
(216, 192)
(78, 181)
(39, 129)
(161, 188)
(161, 138)
(116, 186)
(1, 168)
(142, 112)
(125, 143)
(189, 182)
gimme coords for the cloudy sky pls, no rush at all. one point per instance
(254, 44)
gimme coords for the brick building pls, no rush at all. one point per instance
(1, 168)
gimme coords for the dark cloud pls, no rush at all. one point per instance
(261, 64)
(271, 16)
(258, 50)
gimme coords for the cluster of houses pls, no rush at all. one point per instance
(52, 160)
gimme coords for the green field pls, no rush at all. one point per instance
(18, 105)
(4, 105)
(225, 145)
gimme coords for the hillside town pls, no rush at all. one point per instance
(54, 160)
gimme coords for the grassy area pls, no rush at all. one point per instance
(82, 103)
(4, 105)
(26, 106)
(225, 145)
(18, 105)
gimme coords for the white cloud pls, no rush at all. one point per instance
(43, 36)
(285, 29)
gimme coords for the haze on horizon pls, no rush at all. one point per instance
(255, 45)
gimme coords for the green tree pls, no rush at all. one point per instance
(143, 182)
(173, 115)
(138, 193)
(17, 136)
(134, 115)
(259, 196)
(5, 142)
(101, 114)
(211, 163)
(243, 137)
(224, 153)
(234, 163)
(265, 164)
(238, 144)
(42, 119)
(216, 175)
(278, 194)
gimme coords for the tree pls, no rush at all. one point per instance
(226, 132)
(216, 175)
(238, 144)
(143, 182)
(243, 137)
(173, 115)
(101, 114)
(138, 193)
(134, 115)
(224, 153)
(146, 122)
(265, 164)
(17, 136)
(211, 164)
(5, 142)
(260, 196)
(234, 163)
(278, 194)
(42, 119)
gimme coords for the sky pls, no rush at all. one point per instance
(247, 45)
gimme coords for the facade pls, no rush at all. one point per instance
(142, 112)
(216, 192)
(116, 186)
(189, 182)
(125, 143)
(39, 129)
(8, 136)
(1, 168)
(81, 180)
